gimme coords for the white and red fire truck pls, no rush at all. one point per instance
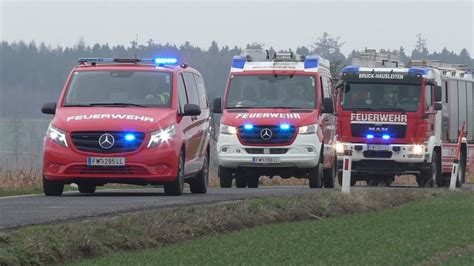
(277, 120)
(405, 120)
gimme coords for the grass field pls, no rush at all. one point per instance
(430, 232)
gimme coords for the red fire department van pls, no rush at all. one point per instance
(277, 120)
(405, 120)
(131, 121)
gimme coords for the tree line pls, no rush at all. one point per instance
(31, 73)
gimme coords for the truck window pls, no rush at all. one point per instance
(191, 89)
(183, 99)
(326, 86)
(428, 98)
(201, 91)
(272, 91)
(381, 96)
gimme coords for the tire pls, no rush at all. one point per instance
(225, 176)
(316, 174)
(52, 188)
(429, 177)
(372, 182)
(87, 188)
(240, 181)
(252, 181)
(198, 185)
(176, 187)
(329, 178)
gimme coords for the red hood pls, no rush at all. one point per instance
(112, 119)
(269, 117)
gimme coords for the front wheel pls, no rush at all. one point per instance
(86, 188)
(52, 188)
(330, 175)
(430, 176)
(316, 174)
(252, 181)
(199, 183)
(225, 176)
(176, 187)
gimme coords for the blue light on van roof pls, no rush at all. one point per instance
(238, 61)
(311, 61)
(369, 136)
(418, 71)
(248, 126)
(129, 137)
(284, 126)
(351, 69)
(166, 61)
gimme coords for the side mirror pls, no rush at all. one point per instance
(49, 108)
(438, 93)
(328, 107)
(217, 106)
(438, 106)
(191, 109)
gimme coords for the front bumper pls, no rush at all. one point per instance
(143, 166)
(304, 152)
(399, 159)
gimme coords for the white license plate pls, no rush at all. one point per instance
(266, 160)
(378, 147)
(105, 161)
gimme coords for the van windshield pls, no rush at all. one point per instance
(110, 88)
(272, 91)
(381, 97)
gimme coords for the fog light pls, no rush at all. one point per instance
(224, 149)
(54, 167)
(309, 149)
(339, 148)
(161, 169)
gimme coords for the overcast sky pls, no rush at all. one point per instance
(282, 24)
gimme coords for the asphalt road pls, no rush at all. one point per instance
(20, 211)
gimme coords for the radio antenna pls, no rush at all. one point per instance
(136, 46)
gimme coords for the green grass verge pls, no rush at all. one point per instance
(100, 236)
(400, 236)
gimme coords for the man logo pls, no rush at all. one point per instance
(266, 134)
(106, 141)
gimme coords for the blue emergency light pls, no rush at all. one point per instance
(351, 69)
(129, 137)
(418, 70)
(284, 126)
(238, 61)
(165, 60)
(385, 136)
(248, 126)
(311, 61)
(369, 136)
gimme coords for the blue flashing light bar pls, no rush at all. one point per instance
(238, 61)
(418, 70)
(311, 61)
(369, 136)
(166, 61)
(129, 137)
(284, 126)
(248, 126)
(385, 136)
(351, 69)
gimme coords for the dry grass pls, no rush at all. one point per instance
(14, 178)
(96, 237)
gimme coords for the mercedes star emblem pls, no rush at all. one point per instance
(266, 134)
(106, 141)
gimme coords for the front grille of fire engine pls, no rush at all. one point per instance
(377, 154)
(394, 131)
(89, 141)
(259, 135)
(262, 151)
(96, 170)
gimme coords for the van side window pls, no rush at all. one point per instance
(428, 98)
(201, 91)
(183, 99)
(326, 87)
(191, 89)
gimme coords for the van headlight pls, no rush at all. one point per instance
(57, 135)
(161, 136)
(227, 130)
(307, 130)
(339, 148)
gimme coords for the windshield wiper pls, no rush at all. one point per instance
(360, 108)
(116, 104)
